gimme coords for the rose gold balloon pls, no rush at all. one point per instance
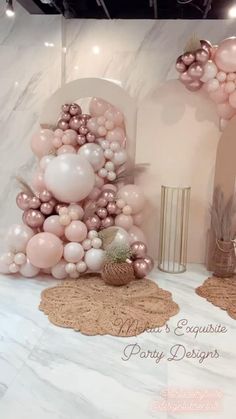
(140, 268)
(194, 85)
(65, 116)
(65, 108)
(81, 140)
(202, 56)
(52, 202)
(102, 213)
(75, 123)
(46, 208)
(149, 261)
(35, 202)
(33, 218)
(83, 130)
(139, 250)
(59, 206)
(109, 195)
(111, 208)
(23, 200)
(195, 71)
(62, 124)
(188, 58)
(75, 109)
(107, 222)
(93, 222)
(45, 196)
(206, 45)
(85, 116)
(180, 66)
(185, 77)
(90, 137)
(102, 202)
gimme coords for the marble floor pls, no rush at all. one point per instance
(52, 373)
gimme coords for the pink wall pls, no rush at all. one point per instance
(178, 135)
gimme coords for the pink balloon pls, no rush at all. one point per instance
(65, 149)
(133, 196)
(28, 270)
(98, 107)
(136, 235)
(115, 116)
(124, 221)
(117, 134)
(138, 218)
(219, 96)
(41, 143)
(58, 271)
(44, 250)
(225, 56)
(76, 231)
(212, 85)
(188, 58)
(232, 99)
(70, 137)
(73, 252)
(230, 87)
(225, 111)
(52, 225)
(33, 218)
(38, 181)
(18, 236)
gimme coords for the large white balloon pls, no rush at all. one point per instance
(121, 237)
(18, 236)
(94, 154)
(69, 177)
(94, 259)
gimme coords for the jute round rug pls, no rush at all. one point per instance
(221, 292)
(92, 307)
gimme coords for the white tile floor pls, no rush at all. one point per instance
(52, 373)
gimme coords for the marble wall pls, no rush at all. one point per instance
(140, 54)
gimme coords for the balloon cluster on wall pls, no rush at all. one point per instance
(212, 68)
(77, 192)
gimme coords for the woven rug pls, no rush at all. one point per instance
(92, 307)
(221, 292)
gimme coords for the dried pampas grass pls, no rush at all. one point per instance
(222, 215)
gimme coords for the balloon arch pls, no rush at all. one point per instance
(212, 68)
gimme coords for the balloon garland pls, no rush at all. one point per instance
(212, 68)
(78, 204)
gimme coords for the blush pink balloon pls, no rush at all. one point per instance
(65, 149)
(219, 96)
(76, 231)
(136, 235)
(18, 236)
(115, 116)
(225, 111)
(116, 134)
(28, 270)
(138, 218)
(44, 250)
(232, 99)
(225, 56)
(41, 143)
(133, 196)
(59, 271)
(52, 225)
(73, 252)
(38, 181)
(124, 221)
(98, 107)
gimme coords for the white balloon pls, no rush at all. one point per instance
(18, 236)
(73, 252)
(94, 259)
(59, 271)
(119, 157)
(94, 154)
(69, 177)
(210, 71)
(45, 160)
(121, 238)
(29, 270)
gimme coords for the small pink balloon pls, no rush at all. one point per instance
(33, 218)
(59, 271)
(73, 252)
(81, 140)
(46, 208)
(44, 250)
(76, 231)
(52, 225)
(101, 212)
(232, 99)
(92, 125)
(124, 221)
(225, 111)
(57, 142)
(139, 250)
(141, 268)
(75, 123)
(83, 130)
(63, 125)
(230, 87)
(180, 66)
(70, 137)
(34, 202)
(65, 116)
(116, 134)
(212, 85)
(45, 195)
(133, 196)
(109, 195)
(195, 71)
(18, 236)
(90, 137)
(188, 58)
(66, 149)
(98, 107)
(136, 234)
(225, 56)
(111, 208)
(41, 143)
(28, 270)
(114, 117)
(23, 200)
(219, 96)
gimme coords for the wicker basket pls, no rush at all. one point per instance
(118, 273)
(224, 259)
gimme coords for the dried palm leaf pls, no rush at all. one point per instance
(138, 170)
(24, 186)
(193, 44)
(107, 236)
